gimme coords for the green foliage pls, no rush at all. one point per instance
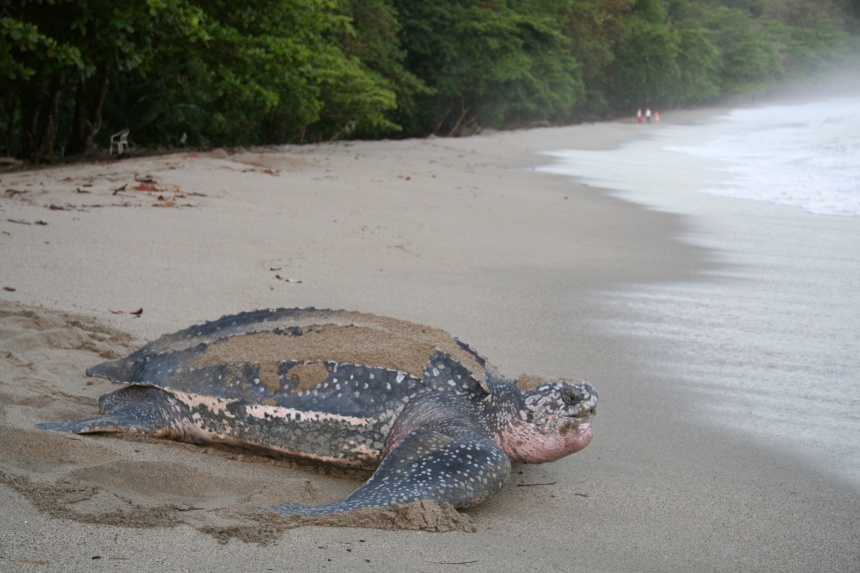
(593, 28)
(645, 66)
(24, 51)
(750, 59)
(272, 71)
(648, 11)
(698, 66)
(488, 64)
(373, 39)
(58, 56)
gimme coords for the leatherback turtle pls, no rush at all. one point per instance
(428, 413)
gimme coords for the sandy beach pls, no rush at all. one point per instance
(461, 234)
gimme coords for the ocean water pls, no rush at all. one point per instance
(768, 338)
(805, 155)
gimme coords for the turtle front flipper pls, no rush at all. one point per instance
(427, 464)
(137, 409)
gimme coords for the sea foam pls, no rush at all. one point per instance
(806, 155)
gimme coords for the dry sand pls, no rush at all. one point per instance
(458, 234)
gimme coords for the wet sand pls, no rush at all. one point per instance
(462, 235)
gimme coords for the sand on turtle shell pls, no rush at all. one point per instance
(341, 336)
(527, 382)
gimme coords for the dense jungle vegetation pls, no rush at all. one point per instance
(217, 72)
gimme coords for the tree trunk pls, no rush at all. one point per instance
(40, 113)
(464, 109)
(9, 106)
(87, 120)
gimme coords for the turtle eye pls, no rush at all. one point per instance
(571, 395)
(568, 396)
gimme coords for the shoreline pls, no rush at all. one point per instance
(734, 333)
(462, 235)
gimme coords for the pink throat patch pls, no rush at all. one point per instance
(527, 444)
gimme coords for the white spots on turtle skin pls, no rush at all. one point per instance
(431, 463)
(463, 472)
(212, 404)
(262, 412)
(400, 377)
(360, 450)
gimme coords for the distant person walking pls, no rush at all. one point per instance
(648, 115)
(639, 115)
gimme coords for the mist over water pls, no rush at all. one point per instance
(806, 155)
(769, 338)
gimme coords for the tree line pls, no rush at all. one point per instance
(217, 72)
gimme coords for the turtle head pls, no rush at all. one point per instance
(553, 420)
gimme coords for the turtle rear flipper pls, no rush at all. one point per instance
(462, 471)
(133, 409)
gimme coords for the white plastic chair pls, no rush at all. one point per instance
(119, 141)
